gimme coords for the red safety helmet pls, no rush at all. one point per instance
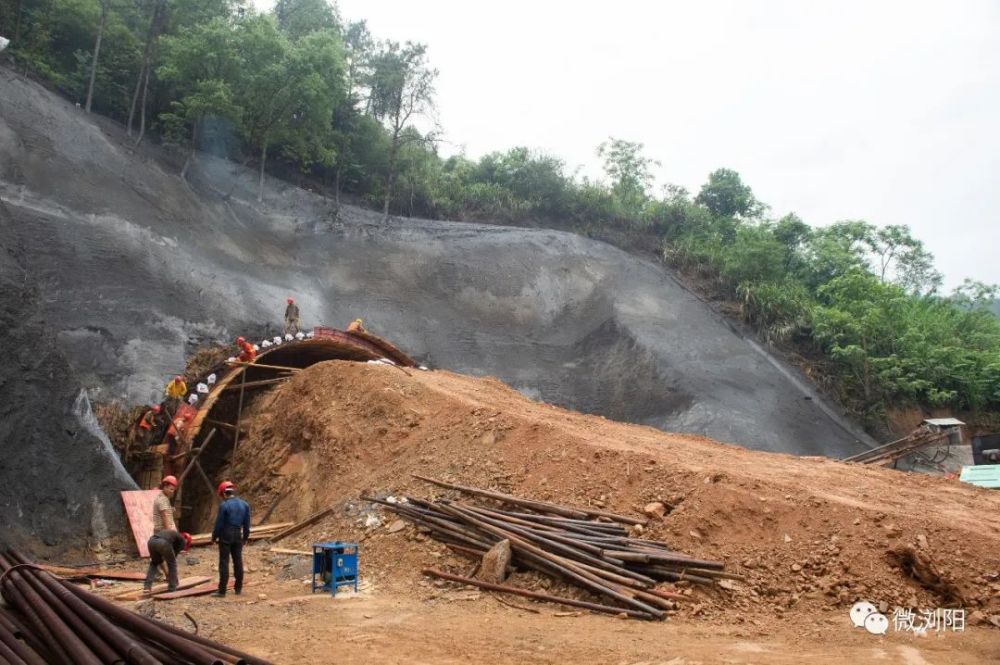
(169, 480)
(223, 486)
(240, 340)
(290, 301)
(178, 379)
(156, 408)
(187, 540)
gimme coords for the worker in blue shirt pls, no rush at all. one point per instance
(232, 531)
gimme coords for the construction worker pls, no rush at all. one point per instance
(232, 531)
(164, 546)
(247, 353)
(291, 318)
(148, 424)
(175, 433)
(175, 391)
(163, 511)
(355, 326)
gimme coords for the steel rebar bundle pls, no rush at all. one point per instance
(55, 621)
(593, 550)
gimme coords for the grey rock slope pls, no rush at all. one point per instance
(134, 266)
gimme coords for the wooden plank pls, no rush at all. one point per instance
(256, 532)
(139, 509)
(281, 550)
(184, 583)
(256, 384)
(240, 363)
(312, 519)
(108, 574)
(200, 590)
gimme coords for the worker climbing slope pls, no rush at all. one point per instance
(231, 532)
(175, 391)
(291, 318)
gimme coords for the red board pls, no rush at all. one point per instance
(139, 509)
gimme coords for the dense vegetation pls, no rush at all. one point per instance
(298, 90)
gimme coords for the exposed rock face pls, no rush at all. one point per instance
(132, 267)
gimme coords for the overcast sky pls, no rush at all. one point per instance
(883, 111)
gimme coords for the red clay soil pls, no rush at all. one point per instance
(811, 535)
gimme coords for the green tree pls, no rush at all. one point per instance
(725, 195)
(201, 64)
(402, 88)
(287, 90)
(629, 170)
(298, 18)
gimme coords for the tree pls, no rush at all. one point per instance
(298, 18)
(402, 88)
(288, 90)
(201, 63)
(899, 257)
(725, 195)
(105, 8)
(629, 170)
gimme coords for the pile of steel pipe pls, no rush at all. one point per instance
(55, 621)
(598, 555)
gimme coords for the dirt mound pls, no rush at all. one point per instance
(807, 533)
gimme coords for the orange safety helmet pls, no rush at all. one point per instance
(223, 486)
(188, 540)
(169, 480)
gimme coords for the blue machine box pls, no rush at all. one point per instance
(334, 565)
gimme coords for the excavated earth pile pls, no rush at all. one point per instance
(808, 534)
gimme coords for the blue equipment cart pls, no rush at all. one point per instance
(335, 565)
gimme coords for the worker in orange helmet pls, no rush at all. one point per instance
(291, 318)
(164, 546)
(163, 510)
(355, 326)
(148, 424)
(231, 532)
(247, 352)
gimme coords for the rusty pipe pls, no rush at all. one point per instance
(41, 640)
(28, 655)
(101, 649)
(146, 628)
(69, 641)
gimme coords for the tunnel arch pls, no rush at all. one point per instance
(217, 419)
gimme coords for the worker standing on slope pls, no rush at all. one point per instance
(164, 546)
(291, 318)
(232, 531)
(175, 391)
(247, 352)
(163, 511)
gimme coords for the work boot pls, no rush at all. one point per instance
(171, 589)
(237, 591)
(219, 594)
